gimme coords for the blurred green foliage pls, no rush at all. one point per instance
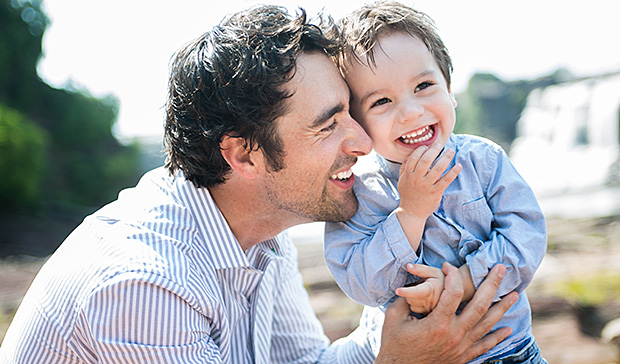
(57, 145)
(595, 289)
(22, 157)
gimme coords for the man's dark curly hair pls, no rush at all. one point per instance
(231, 81)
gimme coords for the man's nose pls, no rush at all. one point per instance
(358, 142)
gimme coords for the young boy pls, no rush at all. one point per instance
(477, 214)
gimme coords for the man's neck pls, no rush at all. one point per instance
(249, 217)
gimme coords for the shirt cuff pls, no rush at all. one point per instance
(398, 242)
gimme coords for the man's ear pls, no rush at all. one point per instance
(240, 158)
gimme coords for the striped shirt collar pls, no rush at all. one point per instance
(219, 242)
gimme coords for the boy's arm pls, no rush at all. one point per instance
(421, 185)
(367, 255)
(518, 238)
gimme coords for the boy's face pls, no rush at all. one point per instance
(404, 102)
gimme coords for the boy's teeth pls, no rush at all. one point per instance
(342, 175)
(422, 135)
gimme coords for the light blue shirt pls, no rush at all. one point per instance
(158, 277)
(488, 215)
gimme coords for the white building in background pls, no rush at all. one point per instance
(568, 136)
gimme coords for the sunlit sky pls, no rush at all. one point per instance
(123, 47)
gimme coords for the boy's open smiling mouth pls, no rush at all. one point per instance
(421, 135)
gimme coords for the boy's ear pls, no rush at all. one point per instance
(453, 99)
(240, 158)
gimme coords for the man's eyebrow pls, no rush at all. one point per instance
(326, 115)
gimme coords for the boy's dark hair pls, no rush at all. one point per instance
(361, 29)
(232, 81)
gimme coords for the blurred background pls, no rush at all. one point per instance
(83, 83)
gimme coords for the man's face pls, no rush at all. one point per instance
(321, 144)
(404, 102)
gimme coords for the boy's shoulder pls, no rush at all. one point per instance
(474, 147)
(374, 173)
(368, 166)
(469, 141)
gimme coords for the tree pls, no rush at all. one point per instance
(86, 165)
(22, 157)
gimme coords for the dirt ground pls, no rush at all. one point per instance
(567, 321)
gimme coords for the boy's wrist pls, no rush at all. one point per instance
(413, 227)
(407, 217)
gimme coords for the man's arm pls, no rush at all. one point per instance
(443, 336)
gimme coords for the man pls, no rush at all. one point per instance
(190, 266)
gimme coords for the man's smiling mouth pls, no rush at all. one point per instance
(418, 136)
(342, 176)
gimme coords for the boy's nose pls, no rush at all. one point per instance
(410, 110)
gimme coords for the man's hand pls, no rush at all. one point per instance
(443, 336)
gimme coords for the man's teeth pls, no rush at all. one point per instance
(419, 136)
(342, 175)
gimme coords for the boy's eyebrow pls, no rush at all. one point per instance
(326, 115)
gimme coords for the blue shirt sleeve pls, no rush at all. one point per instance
(367, 254)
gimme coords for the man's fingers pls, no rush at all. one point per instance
(482, 346)
(452, 293)
(398, 310)
(492, 316)
(478, 306)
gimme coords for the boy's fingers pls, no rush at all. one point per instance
(415, 292)
(411, 162)
(441, 165)
(449, 177)
(427, 159)
(424, 271)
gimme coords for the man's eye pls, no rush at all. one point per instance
(329, 128)
(379, 102)
(423, 85)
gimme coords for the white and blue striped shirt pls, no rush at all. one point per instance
(158, 277)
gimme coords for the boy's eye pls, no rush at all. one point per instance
(379, 102)
(423, 85)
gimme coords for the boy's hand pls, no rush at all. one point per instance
(423, 297)
(420, 186)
